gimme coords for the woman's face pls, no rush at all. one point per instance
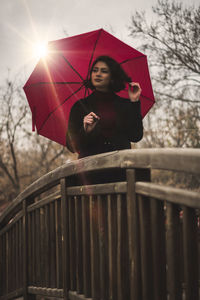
(101, 76)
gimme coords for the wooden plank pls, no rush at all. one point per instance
(125, 250)
(14, 258)
(47, 245)
(30, 258)
(173, 247)
(7, 261)
(58, 228)
(4, 270)
(1, 264)
(43, 291)
(65, 238)
(98, 189)
(17, 256)
(33, 247)
(171, 194)
(119, 248)
(11, 259)
(191, 259)
(86, 246)
(146, 248)
(72, 244)
(112, 246)
(37, 247)
(25, 251)
(175, 159)
(133, 238)
(75, 296)
(52, 241)
(12, 295)
(12, 223)
(21, 252)
(47, 200)
(123, 284)
(94, 240)
(103, 246)
(42, 246)
(159, 249)
(79, 245)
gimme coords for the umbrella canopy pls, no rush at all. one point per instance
(58, 80)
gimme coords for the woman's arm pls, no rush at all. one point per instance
(81, 128)
(75, 130)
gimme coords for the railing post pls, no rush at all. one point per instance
(25, 252)
(133, 237)
(65, 237)
(190, 233)
(136, 261)
(173, 236)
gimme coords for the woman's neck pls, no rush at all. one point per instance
(103, 90)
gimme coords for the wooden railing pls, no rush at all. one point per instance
(98, 228)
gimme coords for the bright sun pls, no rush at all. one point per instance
(40, 50)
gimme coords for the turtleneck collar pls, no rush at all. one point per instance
(104, 95)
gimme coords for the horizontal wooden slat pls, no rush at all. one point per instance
(12, 223)
(75, 296)
(44, 201)
(173, 195)
(12, 295)
(45, 291)
(98, 189)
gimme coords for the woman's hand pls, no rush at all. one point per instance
(134, 91)
(90, 121)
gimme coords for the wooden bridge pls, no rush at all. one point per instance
(99, 229)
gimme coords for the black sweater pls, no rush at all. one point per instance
(120, 123)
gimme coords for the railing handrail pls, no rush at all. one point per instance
(171, 159)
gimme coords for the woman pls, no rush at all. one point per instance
(103, 121)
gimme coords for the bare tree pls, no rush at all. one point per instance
(13, 114)
(24, 156)
(171, 42)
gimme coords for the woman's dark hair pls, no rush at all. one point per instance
(119, 78)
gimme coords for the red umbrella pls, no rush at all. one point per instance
(58, 80)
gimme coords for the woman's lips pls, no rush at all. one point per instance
(98, 80)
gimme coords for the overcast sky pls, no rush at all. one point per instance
(23, 22)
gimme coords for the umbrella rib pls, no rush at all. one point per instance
(92, 55)
(148, 98)
(94, 48)
(133, 58)
(52, 112)
(72, 67)
(56, 82)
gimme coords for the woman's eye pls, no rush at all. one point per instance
(101, 71)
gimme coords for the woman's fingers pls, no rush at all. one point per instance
(89, 121)
(92, 114)
(134, 91)
(134, 86)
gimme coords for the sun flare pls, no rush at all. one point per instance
(40, 50)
